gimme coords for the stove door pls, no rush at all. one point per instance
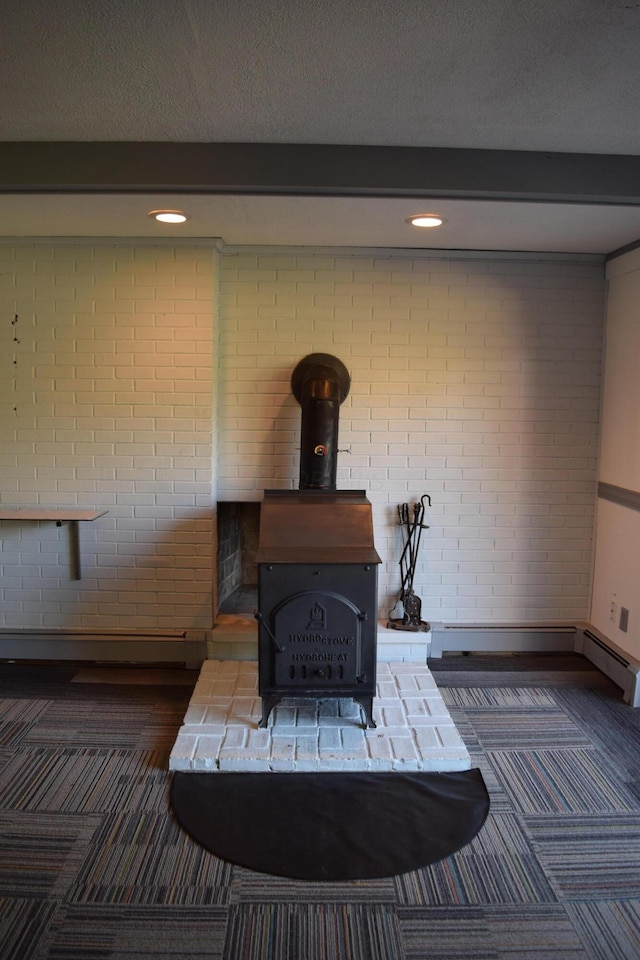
(319, 640)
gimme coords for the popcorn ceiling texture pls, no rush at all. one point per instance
(153, 380)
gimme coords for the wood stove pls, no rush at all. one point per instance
(317, 565)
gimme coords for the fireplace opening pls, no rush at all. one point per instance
(238, 529)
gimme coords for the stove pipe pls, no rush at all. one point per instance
(320, 382)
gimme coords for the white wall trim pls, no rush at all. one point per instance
(179, 646)
(418, 253)
(614, 662)
(507, 638)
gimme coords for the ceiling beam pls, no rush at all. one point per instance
(317, 170)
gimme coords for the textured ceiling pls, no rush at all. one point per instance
(549, 75)
(501, 74)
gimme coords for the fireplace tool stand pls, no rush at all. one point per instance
(412, 525)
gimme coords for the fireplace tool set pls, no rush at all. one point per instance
(412, 525)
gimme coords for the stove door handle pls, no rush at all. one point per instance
(258, 616)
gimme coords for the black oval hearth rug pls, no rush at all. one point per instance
(331, 826)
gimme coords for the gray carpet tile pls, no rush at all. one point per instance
(589, 857)
(23, 926)
(508, 698)
(313, 931)
(445, 933)
(94, 867)
(145, 858)
(40, 855)
(608, 928)
(251, 887)
(17, 718)
(540, 932)
(84, 781)
(119, 725)
(608, 722)
(92, 932)
(511, 729)
(560, 781)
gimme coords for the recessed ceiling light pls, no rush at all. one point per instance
(426, 220)
(169, 216)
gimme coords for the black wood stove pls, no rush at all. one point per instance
(317, 565)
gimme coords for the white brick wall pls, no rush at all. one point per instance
(474, 380)
(107, 401)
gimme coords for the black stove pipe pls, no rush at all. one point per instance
(320, 383)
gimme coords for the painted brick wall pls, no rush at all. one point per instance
(107, 400)
(475, 380)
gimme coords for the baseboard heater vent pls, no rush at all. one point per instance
(624, 671)
(504, 638)
(188, 647)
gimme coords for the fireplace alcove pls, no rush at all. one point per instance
(238, 525)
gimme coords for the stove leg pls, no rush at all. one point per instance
(367, 706)
(268, 703)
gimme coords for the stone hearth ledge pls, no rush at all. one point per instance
(220, 730)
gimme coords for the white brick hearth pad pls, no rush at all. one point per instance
(220, 730)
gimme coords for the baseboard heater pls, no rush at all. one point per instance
(543, 638)
(188, 647)
(506, 638)
(618, 666)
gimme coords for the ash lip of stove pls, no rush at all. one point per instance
(317, 565)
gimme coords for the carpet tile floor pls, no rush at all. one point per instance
(94, 867)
